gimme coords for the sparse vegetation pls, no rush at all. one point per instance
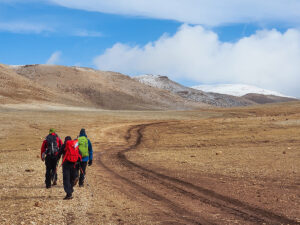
(210, 166)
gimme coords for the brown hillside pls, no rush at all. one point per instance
(16, 89)
(91, 88)
(264, 99)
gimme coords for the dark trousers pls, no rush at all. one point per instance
(51, 164)
(69, 175)
(82, 172)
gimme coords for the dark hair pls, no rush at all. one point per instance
(68, 138)
(82, 132)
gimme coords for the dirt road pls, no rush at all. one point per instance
(174, 201)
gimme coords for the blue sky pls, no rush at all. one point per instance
(79, 35)
(193, 42)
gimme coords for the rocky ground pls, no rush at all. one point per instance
(217, 166)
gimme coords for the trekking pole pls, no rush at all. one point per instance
(87, 183)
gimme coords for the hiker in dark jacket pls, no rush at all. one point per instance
(86, 150)
(70, 174)
(49, 151)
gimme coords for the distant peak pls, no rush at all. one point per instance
(151, 76)
(237, 90)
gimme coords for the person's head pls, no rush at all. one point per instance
(82, 133)
(51, 131)
(68, 138)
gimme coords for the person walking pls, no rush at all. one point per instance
(86, 150)
(71, 156)
(49, 151)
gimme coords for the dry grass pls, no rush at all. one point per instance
(250, 154)
(253, 152)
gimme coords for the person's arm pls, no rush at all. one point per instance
(61, 151)
(60, 148)
(43, 150)
(90, 153)
(59, 142)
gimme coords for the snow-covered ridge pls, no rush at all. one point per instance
(20, 66)
(15, 66)
(161, 82)
(237, 90)
(53, 65)
(151, 80)
(84, 68)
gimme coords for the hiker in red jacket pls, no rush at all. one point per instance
(71, 156)
(49, 151)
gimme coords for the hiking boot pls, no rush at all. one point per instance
(48, 186)
(54, 183)
(81, 185)
(68, 197)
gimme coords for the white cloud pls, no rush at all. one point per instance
(86, 33)
(268, 59)
(24, 27)
(54, 58)
(21, 1)
(205, 12)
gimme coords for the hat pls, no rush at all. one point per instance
(68, 138)
(82, 133)
(52, 130)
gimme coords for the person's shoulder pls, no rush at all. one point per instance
(46, 137)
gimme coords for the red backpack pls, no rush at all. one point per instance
(71, 151)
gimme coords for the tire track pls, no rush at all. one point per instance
(228, 205)
(152, 195)
(182, 215)
(156, 176)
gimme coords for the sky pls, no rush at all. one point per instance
(193, 42)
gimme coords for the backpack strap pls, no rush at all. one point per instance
(65, 155)
(64, 158)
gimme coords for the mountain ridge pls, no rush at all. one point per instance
(90, 88)
(84, 87)
(213, 98)
(238, 90)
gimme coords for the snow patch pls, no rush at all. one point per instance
(15, 66)
(149, 79)
(85, 69)
(237, 90)
(162, 82)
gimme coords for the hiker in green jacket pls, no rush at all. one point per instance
(86, 150)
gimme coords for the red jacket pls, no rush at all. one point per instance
(44, 145)
(71, 155)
